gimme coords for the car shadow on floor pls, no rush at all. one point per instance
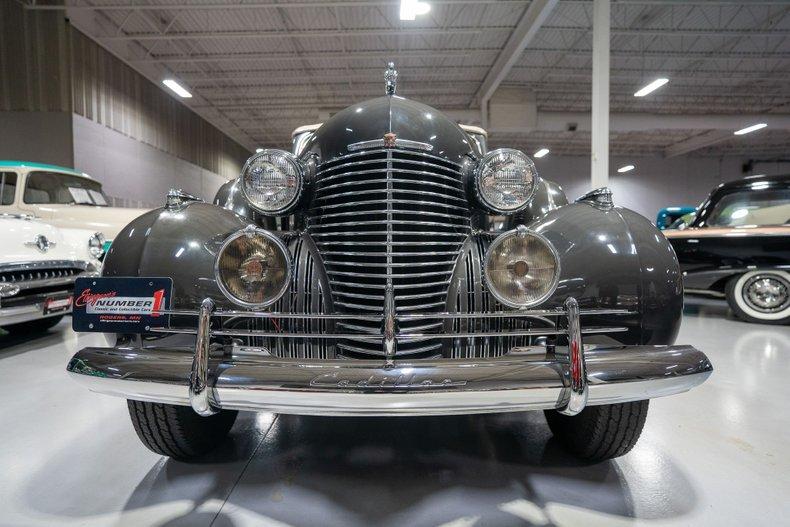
(472, 470)
(12, 344)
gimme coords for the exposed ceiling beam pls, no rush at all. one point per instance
(697, 142)
(137, 6)
(334, 55)
(679, 32)
(248, 5)
(309, 33)
(534, 16)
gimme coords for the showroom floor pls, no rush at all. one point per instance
(70, 457)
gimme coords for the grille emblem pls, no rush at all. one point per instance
(42, 243)
(390, 139)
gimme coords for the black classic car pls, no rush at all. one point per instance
(368, 275)
(738, 247)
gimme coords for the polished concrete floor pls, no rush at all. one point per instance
(715, 456)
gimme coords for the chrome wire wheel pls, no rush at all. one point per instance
(767, 293)
(761, 296)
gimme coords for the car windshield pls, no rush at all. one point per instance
(57, 188)
(683, 222)
(752, 207)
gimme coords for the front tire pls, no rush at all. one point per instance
(177, 431)
(760, 296)
(601, 432)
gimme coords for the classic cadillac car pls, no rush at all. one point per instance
(38, 267)
(738, 246)
(364, 277)
(60, 196)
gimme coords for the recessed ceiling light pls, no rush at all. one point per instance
(177, 88)
(542, 152)
(411, 9)
(650, 88)
(626, 168)
(258, 150)
(751, 128)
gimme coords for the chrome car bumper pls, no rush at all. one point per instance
(524, 379)
(26, 313)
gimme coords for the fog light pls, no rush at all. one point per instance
(522, 268)
(7, 290)
(253, 268)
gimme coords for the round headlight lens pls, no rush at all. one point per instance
(96, 244)
(505, 180)
(521, 268)
(253, 268)
(272, 181)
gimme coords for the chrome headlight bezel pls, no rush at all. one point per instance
(521, 231)
(252, 230)
(480, 195)
(96, 244)
(299, 173)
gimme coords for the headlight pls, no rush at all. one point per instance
(521, 268)
(96, 244)
(272, 181)
(505, 180)
(253, 268)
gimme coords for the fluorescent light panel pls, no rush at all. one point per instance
(177, 88)
(411, 9)
(626, 168)
(542, 152)
(650, 88)
(751, 128)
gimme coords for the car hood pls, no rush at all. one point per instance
(18, 238)
(107, 220)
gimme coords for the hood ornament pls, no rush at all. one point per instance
(391, 78)
(42, 243)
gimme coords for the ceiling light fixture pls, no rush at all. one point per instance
(650, 88)
(626, 168)
(540, 153)
(411, 9)
(177, 88)
(751, 128)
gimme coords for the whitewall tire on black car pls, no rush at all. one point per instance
(761, 296)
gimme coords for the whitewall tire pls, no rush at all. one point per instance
(761, 296)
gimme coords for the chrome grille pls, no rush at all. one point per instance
(33, 275)
(389, 215)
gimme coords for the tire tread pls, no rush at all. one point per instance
(600, 432)
(176, 431)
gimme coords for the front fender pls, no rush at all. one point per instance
(616, 258)
(178, 243)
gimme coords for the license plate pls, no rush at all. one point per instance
(56, 305)
(121, 305)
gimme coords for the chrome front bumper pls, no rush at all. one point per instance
(525, 379)
(533, 378)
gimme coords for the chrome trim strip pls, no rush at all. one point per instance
(379, 143)
(377, 337)
(524, 379)
(46, 264)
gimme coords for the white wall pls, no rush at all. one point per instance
(655, 183)
(133, 170)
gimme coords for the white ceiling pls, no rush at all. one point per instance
(260, 69)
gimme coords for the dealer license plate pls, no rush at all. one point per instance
(121, 305)
(57, 305)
